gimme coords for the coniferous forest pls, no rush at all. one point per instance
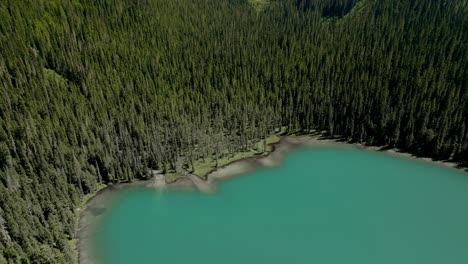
(98, 91)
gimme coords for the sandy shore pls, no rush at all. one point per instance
(96, 207)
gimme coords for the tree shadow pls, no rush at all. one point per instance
(385, 148)
(328, 136)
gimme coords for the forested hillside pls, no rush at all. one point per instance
(99, 91)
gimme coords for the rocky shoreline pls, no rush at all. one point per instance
(96, 207)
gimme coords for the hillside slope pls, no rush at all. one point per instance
(94, 92)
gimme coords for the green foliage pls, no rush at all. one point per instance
(94, 92)
(204, 166)
(259, 5)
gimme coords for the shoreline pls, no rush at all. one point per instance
(291, 143)
(93, 210)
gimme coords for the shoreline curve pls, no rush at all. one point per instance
(95, 208)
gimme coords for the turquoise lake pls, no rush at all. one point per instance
(321, 205)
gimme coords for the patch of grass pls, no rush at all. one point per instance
(356, 10)
(269, 141)
(53, 76)
(90, 196)
(171, 177)
(203, 167)
(259, 5)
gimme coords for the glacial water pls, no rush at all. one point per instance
(322, 205)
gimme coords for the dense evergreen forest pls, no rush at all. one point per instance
(98, 91)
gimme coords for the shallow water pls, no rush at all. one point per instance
(322, 205)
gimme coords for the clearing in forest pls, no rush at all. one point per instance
(259, 5)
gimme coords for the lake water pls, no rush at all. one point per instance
(322, 205)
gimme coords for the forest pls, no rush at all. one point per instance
(94, 92)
